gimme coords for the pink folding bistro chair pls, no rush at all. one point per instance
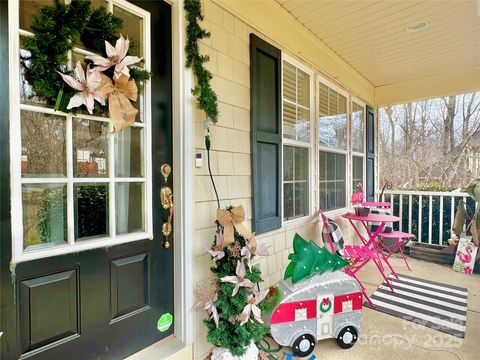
(397, 239)
(357, 256)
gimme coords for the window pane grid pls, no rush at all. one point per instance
(72, 182)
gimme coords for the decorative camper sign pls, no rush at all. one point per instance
(320, 307)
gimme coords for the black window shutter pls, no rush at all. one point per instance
(370, 155)
(266, 137)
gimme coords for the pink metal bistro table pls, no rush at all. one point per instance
(381, 220)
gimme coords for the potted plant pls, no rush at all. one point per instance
(357, 200)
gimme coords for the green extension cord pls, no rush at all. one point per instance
(265, 346)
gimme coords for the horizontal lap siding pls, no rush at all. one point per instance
(228, 48)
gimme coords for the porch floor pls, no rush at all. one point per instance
(387, 337)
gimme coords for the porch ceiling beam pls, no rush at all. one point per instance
(451, 83)
(273, 21)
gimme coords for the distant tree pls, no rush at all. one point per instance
(434, 141)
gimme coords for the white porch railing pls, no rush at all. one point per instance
(427, 214)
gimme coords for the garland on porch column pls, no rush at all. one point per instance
(206, 96)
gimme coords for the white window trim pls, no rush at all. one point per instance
(18, 253)
(346, 152)
(309, 145)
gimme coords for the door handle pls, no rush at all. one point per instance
(166, 199)
(167, 203)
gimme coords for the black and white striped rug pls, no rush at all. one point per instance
(438, 306)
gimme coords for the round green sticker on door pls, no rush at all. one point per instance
(165, 321)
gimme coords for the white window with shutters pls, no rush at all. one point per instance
(297, 130)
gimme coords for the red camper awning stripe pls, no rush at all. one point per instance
(356, 299)
(286, 312)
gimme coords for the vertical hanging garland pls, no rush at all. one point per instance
(206, 97)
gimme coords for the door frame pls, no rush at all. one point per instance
(183, 148)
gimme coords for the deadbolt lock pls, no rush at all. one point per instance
(166, 170)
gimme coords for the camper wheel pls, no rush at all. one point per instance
(304, 345)
(347, 337)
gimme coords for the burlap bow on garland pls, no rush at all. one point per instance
(232, 220)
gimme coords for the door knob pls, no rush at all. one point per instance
(166, 197)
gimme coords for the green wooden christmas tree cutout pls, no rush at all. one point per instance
(308, 259)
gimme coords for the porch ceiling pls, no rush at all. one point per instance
(371, 35)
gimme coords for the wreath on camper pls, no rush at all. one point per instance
(106, 83)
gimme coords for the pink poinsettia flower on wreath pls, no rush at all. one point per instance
(87, 84)
(116, 56)
(238, 279)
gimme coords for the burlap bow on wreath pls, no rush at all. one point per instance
(232, 220)
(119, 95)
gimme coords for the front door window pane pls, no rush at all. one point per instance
(43, 145)
(91, 211)
(27, 94)
(90, 148)
(130, 213)
(44, 215)
(27, 9)
(129, 152)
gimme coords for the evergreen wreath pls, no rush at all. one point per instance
(56, 29)
(206, 97)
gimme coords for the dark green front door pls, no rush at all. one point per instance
(103, 303)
